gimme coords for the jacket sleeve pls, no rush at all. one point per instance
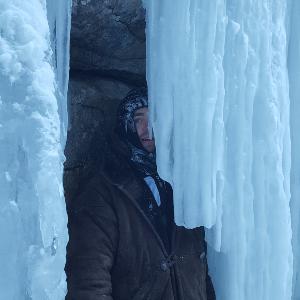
(92, 245)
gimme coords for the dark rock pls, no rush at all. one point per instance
(108, 35)
(107, 60)
(92, 114)
(94, 102)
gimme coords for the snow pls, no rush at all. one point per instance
(33, 97)
(223, 79)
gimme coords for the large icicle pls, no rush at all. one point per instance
(294, 79)
(59, 15)
(32, 210)
(220, 107)
(185, 45)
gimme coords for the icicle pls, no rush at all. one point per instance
(294, 79)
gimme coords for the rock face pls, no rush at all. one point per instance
(108, 38)
(107, 60)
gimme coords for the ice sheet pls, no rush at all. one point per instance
(32, 209)
(223, 108)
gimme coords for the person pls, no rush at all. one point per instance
(123, 241)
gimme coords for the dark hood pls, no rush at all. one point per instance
(143, 161)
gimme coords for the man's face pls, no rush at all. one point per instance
(141, 124)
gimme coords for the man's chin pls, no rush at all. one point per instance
(149, 146)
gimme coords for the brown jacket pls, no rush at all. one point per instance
(114, 252)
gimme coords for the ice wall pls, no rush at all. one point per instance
(32, 98)
(224, 106)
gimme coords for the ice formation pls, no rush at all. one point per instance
(294, 91)
(34, 41)
(223, 80)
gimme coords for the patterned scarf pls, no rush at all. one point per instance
(143, 161)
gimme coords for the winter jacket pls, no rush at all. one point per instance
(116, 253)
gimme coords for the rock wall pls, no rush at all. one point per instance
(108, 54)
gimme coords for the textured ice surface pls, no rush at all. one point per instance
(294, 80)
(224, 92)
(32, 210)
(58, 13)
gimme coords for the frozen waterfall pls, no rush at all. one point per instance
(34, 44)
(224, 81)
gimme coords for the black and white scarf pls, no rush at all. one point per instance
(143, 161)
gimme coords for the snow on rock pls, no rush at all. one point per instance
(32, 210)
(223, 103)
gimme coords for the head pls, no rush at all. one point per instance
(132, 123)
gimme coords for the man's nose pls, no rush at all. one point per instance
(145, 127)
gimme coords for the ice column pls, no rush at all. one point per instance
(221, 93)
(32, 97)
(185, 48)
(59, 15)
(294, 79)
